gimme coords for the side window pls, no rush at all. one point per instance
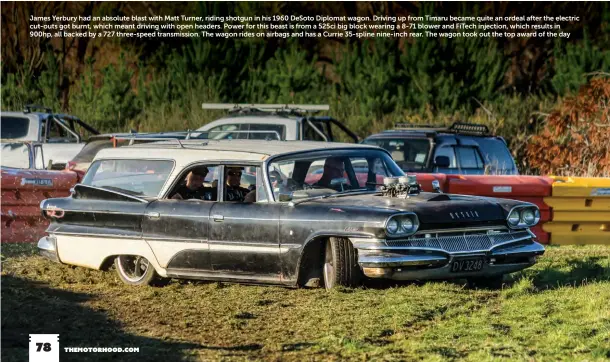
(240, 183)
(497, 155)
(449, 152)
(199, 182)
(469, 157)
(135, 177)
(227, 131)
(266, 132)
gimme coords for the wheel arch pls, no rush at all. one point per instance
(312, 254)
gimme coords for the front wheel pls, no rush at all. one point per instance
(137, 270)
(340, 264)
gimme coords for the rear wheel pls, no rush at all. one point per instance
(137, 270)
(340, 264)
(492, 282)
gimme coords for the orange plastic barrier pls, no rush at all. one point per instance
(524, 188)
(22, 192)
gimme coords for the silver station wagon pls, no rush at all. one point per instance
(279, 212)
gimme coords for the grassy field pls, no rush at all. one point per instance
(558, 310)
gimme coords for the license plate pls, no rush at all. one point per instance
(467, 265)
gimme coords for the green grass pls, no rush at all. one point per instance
(557, 310)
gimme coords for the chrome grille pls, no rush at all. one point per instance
(458, 242)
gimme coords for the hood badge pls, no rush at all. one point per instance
(459, 215)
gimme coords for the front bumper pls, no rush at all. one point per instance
(415, 259)
(47, 247)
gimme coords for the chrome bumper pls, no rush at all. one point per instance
(382, 259)
(47, 247)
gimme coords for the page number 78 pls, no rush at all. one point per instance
(43, 346)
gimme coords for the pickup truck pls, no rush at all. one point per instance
(285, 122)
(61, 136)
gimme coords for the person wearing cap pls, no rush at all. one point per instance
(233, 189)
(193, 187)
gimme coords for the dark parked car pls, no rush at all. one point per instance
(334, 229)
(463, 148)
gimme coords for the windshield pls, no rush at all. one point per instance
(134, 177)
(324, 173)
(411, 155)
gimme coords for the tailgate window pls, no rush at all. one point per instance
(134, 177)
(14, 127)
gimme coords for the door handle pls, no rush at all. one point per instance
(218, 217)
(153, 215)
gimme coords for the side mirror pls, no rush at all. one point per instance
(338, 181)
(436, 186)
(442, 161)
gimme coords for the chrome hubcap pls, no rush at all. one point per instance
(132, 267)
(329, 268)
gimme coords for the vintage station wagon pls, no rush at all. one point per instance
(361, 218)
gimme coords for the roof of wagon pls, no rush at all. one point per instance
(222, 149)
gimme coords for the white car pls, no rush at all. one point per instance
(61, 136)
(276, 122)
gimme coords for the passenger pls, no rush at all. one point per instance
(233, 189)
(333, 169)
(193, 187)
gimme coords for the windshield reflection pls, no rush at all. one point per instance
(324, 173)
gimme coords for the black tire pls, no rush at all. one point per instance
(492, 282)
(340, 264)
(137, 270)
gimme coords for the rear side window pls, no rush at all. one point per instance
(266, 132)
(497, 156)
(469, 158)
(247, 131)
(134, 177)
(14, 127)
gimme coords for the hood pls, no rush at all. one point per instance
(431, 208)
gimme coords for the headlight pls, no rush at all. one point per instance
(528, 216)
(402, 224)
(523, 217)
(392, 226)
(513, 218)
(406, 225)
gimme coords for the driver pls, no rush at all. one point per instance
(333, 169)
(233, 189)
(193, 187)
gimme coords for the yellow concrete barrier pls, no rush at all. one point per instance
(580, 210)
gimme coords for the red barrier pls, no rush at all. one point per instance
(22, 192)
(524, 188)
(425, 180)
